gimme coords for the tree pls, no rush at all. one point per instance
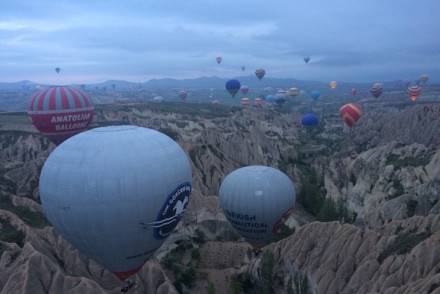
(267, 263)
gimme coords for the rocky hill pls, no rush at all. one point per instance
(383, 174)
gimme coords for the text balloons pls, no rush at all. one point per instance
(350, 113)
(116, 193)
(60, 112)
(255, 199)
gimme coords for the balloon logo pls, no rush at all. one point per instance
(233, 86)
(260, 73)
(315, 95)
(58, 70)
(254, 199)
(309, 119)
(245, 101)
(115, 193)
(306, 59)
(376, 90)
(244, 89)
(333, 84)
(350, 113)
(414, 92)
(183, 94)
(218, 59)
(60, 112)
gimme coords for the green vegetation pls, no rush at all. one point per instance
(211, 288)
(399, 189)
(404, 243)
(236, 287)
(31, 218)
(398, 162)
(300, 284)
(10, 234)
(267, 263)
(334, 211)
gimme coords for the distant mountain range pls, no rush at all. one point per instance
(202, 82)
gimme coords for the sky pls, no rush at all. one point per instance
(136, 41)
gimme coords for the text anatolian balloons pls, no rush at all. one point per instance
(256, 200)
(60, 112)
(116, 193)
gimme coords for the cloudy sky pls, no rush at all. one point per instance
(93, 41)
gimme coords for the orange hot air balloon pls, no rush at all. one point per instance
(333, 84)
(414, 92)
(350, 113)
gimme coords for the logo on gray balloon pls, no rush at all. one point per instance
(171, 212)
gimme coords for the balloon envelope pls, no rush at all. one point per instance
(258, 101)
(244, 89)
(376, 90)
(424, 78)
(260, 73)
(315, 95)
(255, 200)
(245, 101)
(293, 92)
(280, 98)
(218, 59)
(270, 98)
(60, 112)
(243, 67)
(354, 91)
(350, 113)
(306, 59)
(414, 92)
(309, 119)
(116, 193)
(333, 84)
(57, 69)
(183, 94)
(233, 86)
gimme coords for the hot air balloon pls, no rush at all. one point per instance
(414, 92)
(218, 59)
(158, 99)
(354, 91)
(115, 193)
(57, 69)
(256, 200)
(350, 113)
(293, 92)
(245, 101)
(333, 84)
(183, 94)
(424, 78)
(243, 68)
(270, 99)
(244, 89)
(60, 112)
(309, 119)
(260, 73)
(280, 98)
(315, 95)
(376, 90)
(233, 86)
(258, 101)
(306, 59)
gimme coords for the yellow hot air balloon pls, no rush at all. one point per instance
(333, 84)
(424, 78)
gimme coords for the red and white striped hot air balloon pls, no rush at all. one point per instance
(245, 101)
(414, 92)
(350, 113)
(60, 112)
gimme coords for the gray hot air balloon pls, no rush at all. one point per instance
(256, 200)
(116, 193)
